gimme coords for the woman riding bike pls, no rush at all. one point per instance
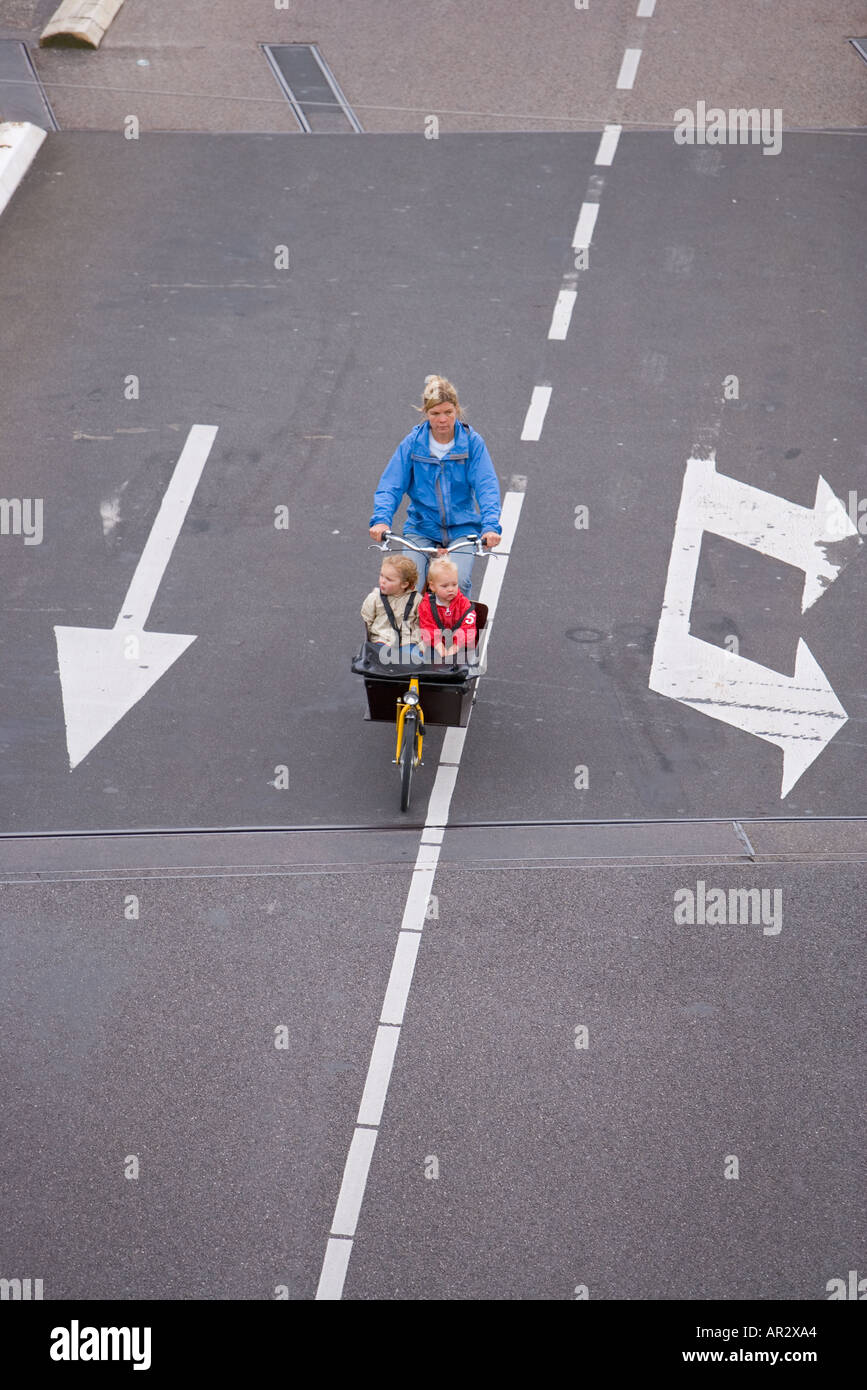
(444, 467)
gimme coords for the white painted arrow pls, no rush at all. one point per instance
(800, 714)
(763, 521)
(105, 671)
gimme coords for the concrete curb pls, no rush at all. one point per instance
(19, 141)
(80, 21)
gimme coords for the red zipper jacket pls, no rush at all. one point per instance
(460, 614)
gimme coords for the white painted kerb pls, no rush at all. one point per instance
(19, 141)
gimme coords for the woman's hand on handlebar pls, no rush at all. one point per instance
(378, 531)
(490, 539)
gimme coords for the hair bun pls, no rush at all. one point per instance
(437, 390)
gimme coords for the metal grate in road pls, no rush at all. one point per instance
(21, 95)
(311, 89)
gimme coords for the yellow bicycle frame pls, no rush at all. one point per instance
(401, 716)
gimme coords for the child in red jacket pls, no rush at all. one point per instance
(446, 617)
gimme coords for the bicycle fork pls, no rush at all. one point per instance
(405, 703)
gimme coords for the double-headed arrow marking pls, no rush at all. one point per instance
(799, 713)
(105, 671)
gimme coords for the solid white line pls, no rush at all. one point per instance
(416, 900)
(378, 1075)
(453, 743)
(357, 1167)
(645, 9)
(608, 144)
(354, 1182)
(562, 315)
(441, 796)
(492, 583)
(428, 855)
(535, 417)
(584, 226)
(400, 979)
(167, 526)
(334, 1268)
(19, 142)
(628, 68)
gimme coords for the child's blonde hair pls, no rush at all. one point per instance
(405, 568)
(438, 566)
(438, 390)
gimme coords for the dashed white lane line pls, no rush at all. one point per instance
(628, 68)
(340, 1241)
(608, 144)
(536, 411)
(645, 9)
(583, 234)
(562, 315)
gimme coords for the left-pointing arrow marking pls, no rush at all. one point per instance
(105, 671)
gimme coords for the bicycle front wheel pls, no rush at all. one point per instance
(407, 757)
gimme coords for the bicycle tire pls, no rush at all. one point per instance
(407, 757)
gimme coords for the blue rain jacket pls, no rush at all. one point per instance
(447, 498)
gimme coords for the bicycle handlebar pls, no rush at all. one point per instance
(471, 539)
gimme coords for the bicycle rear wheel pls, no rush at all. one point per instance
(407, 757)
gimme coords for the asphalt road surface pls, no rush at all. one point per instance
(518, 1158)
(701, 268)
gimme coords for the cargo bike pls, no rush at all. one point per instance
(415, 693)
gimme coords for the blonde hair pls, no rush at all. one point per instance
(437, 566)
(438, 390)
(404, 567)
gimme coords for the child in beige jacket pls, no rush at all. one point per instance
(391, 611)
